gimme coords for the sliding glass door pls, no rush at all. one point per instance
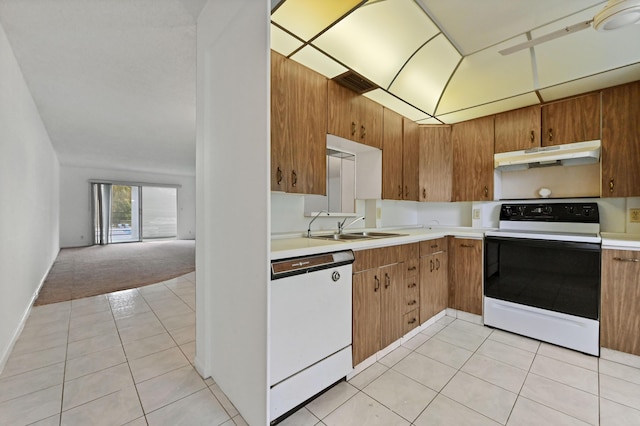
(128, 213)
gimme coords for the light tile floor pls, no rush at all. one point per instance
(126, 358)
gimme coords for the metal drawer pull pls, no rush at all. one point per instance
(387, 280)
(434, 246)
(413, 268)
(437, 264)
(377, 287)
(412, 321)
(626, 259)
(431, 265)
(533, 136)
(279, 176)
(353, 128)
(466, 245)
(413, 302)
(412, 285)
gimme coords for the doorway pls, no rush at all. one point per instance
(133, 212)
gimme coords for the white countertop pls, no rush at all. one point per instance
(612, 240)
(293, 245)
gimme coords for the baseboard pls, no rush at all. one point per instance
(25, 317)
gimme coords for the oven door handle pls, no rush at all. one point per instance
(572, 245)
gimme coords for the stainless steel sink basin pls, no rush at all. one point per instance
(364, 235)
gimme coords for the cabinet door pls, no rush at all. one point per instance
(620, 312)
(343, 109)
(473, 160)
(572, 120)
(308, 129)
(392, 156)
(465, 290)
(435, 163)
(621, 141)
(370, 118)
(392, 280)
(433, 285)
(280, 125)
(410, 160)
(518, 129)
(367, 290)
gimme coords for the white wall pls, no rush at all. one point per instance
(233, 209)
(75, 201)
(29, 186)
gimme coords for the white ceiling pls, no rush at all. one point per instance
(438, 61)
(114, 80)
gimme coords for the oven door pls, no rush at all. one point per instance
(557, 276)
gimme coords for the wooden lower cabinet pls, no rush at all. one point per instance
(465, 273)
(620, 298)
(433, 278)
(378, 300)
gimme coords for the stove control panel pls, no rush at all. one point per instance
(551, 212)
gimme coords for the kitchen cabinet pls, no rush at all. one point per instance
(472, 143)
(433, 278)
(410, 160)
(621, 141)
(298, 127)
(392, 188)
(620, 304)
(410, 257)
(465, 272)
(378, 300)
(571, 120)
(435, 163)
(517, 130)
(354, 117)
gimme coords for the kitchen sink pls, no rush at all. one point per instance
(364, 235)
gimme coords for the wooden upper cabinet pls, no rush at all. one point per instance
(354, 117)
(298, 127)
(472, 143)
(621, 141)
(572, 120)
(620, 311)
(518, 129)
(410, 160)
(392, 156)
(435, 163)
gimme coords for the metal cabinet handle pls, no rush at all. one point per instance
(412, 268)
(424, 193)
(533, 136)
(486, 191)
(279, 176)
(612, 185)
(363, 132)
(434, 246)
(437, 264)
(430, 265)
(412, 285)
(377, 287)
(550, 135)
(406, 191)
(413, 302)
(353, 128)
(399, 190)
(294, 178)
(387, 280)
(466, 245)
(412, 321)
(626, 259)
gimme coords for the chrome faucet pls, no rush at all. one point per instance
(314, 218)
(342, 226)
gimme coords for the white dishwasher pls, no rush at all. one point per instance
(310, 339)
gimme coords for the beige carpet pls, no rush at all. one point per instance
(89, 271)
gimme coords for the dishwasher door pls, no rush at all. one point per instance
(310, 320)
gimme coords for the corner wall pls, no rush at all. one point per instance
(29, 210)
(75, 201)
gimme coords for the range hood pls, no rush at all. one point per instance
(571, 154)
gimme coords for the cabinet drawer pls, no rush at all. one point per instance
(374, 258)
(408, 251)
(432, 246)
(412, 268)
(410, 321)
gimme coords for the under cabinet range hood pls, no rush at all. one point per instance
(571, 154)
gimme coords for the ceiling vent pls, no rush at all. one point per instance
(354, 81)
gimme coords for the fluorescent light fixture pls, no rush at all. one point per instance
(307, 18)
